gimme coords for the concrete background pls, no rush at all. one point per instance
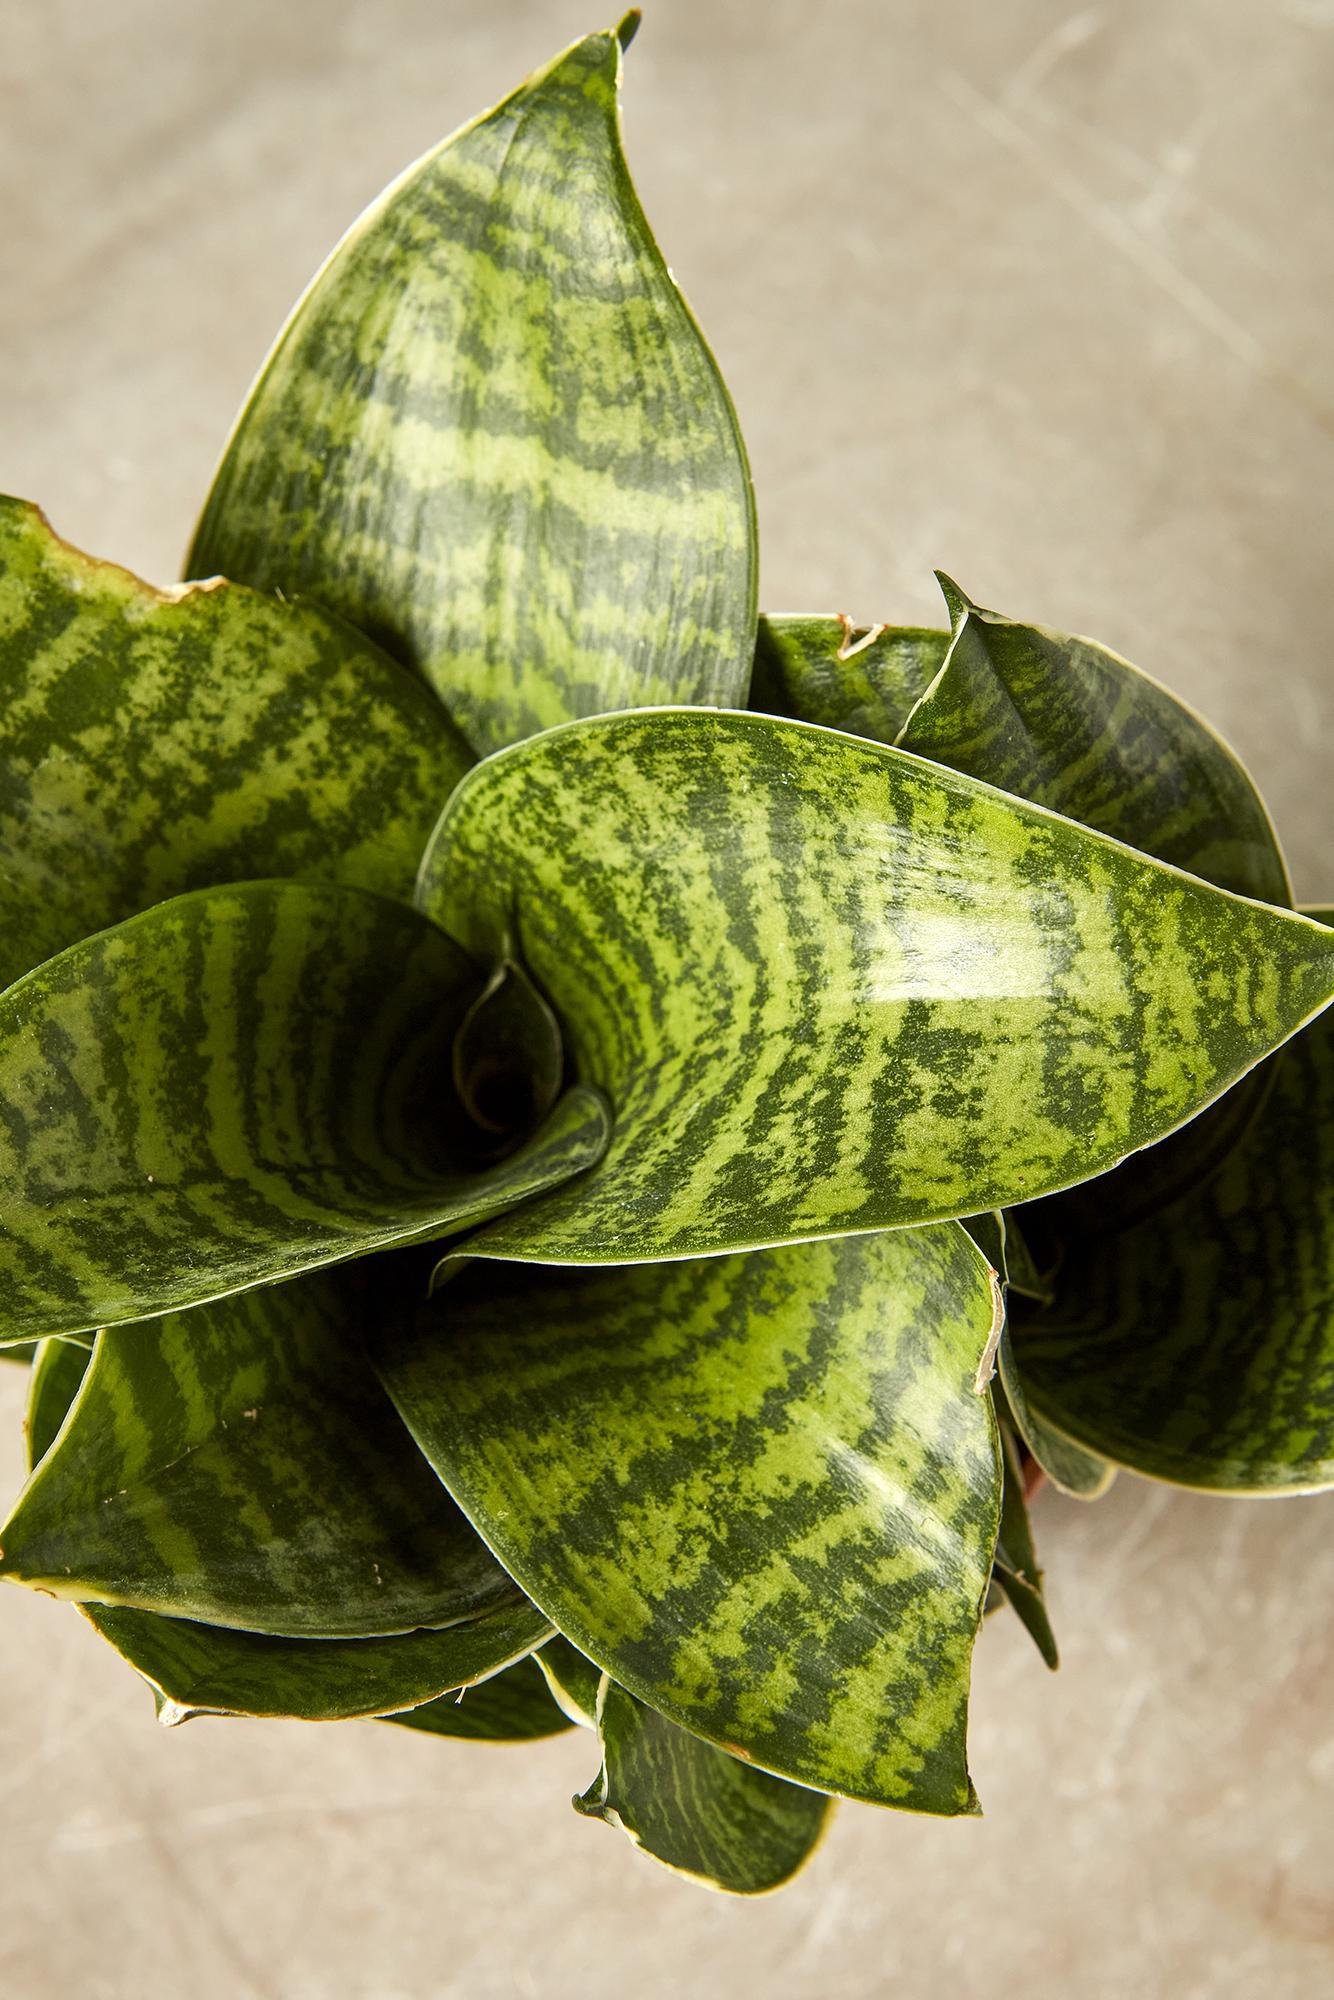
(1038, 294)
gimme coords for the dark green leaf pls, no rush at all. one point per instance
(572, 1679)
(58, 1368)
(825, 670)
(208, 1670)
(1074, 727)
(761, 1492)
(152, 743)
(1015, 1566)
(513, 1707)
(233, 1087)
(492, 435)
(509, 1061)
(693, 1807)
(827, 986)
(1068, 1466)
(240, 1465)
(1198, 1347)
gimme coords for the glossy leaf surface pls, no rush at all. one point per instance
(240, 1465)
(695, 1808)
(828, 987)
(1072, 726)
(209, 1670)
(235, 1086)
(1077, 1472)
(760, 1492)
(492, 435)
(513, 1707)
(1199, 1346)
(825, 670)
(152, 743)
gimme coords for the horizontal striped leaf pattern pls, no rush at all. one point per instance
(240, 1465)
(513, 1707)
(491, 433)
(760, 1492)
(152, 743)
(827, 986)
(198, 1669)
(693, 1807)
(235, 1086)
(1198, 1347)
(826, 670)
(1072, 726)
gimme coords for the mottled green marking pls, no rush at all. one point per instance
(240, 1465)
(1199, 1346)
(208, 1670)
(693, 1807)
(492, 435)
(152, 743)
(513, 1707)
(236, 1086)
(864, 680)
(760, 1492)
(827, 986)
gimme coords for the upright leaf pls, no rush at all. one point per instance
(760, 1492)
(156, 742)
(827, 986)
(1015, 1568)
(1198, 1347)
(236, 1086)
(491, 433)
(513, 1707)
(209, 1670)
(240, 1465)
(824, 670)
(693, 1807)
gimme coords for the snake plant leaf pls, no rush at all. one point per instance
(690, 1805)
(513, 1707)
(1015, 1565)
(492, 435)
(1074, 727)
(1076, 1472)
(240, 1465)
(760, 1492)
(235, 1086)
(509, 1060)
(208, 1670)
(573, 1680)
(152, 743)
(827, 986)
(825, 670)
(1198, 1347)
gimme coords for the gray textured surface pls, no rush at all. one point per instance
(1038, 294)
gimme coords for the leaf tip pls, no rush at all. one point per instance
(628, 27)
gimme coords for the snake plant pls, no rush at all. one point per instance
(567, 1151)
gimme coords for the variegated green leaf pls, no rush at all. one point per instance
(760, 1492)
(826, 670)
(573, 1680)
(240, 1465)
(492, 436)
(827, 986)
(235, 1086)
(1015, 1568)
(513, 1707)
(1198, 1347)
(208, 1670)
(152, 743)
(1075, 1471)
(1072, 726)
(693, 1807)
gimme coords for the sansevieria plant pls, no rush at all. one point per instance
(567, 1153)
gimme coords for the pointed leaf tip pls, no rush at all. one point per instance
(628, 27)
